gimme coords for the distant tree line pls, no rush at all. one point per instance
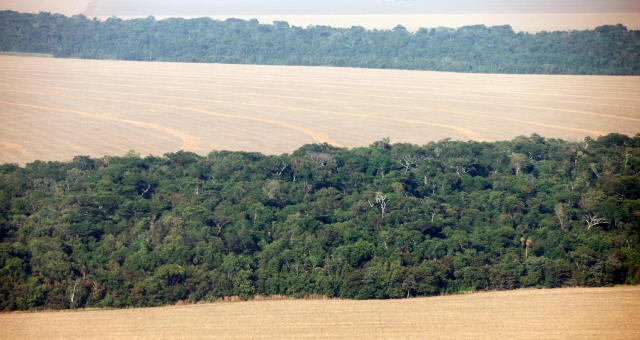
(610, 50)
(384, 221)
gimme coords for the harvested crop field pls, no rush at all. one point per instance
(54, 109)
(568, 313)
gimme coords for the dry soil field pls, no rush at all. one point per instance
(569, 313)
(54, 109)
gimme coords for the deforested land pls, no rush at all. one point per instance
(55, 109)
(567, 313)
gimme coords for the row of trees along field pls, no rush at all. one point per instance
(384, 221)
(605, 50)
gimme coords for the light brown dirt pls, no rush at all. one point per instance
(54, 109)
(569, 313)
(189, 143)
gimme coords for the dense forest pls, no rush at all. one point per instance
(610, 50)
(384, 221)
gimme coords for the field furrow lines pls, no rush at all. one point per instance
(9, 146)
(435, 97)
(466, 132)
(552, 83)
(567, 313)
(276, 109)
(189, 142)
(400, 89)
(471, 134)
(316, 136)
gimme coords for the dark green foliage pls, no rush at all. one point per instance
(605, 50)
(458, 216)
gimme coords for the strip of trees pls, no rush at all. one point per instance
(605, 50)
(358, 223)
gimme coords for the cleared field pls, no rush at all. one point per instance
(569, 313)
(54, 109)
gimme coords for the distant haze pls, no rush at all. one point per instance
(190, 7)
(522, 15)
(221, 7)
(67, 7)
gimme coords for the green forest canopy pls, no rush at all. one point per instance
(384, 221)
(612, 50)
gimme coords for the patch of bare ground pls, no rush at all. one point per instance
(567, 313)
(54, 109)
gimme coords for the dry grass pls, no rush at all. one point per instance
(569, 313)
(54, 109)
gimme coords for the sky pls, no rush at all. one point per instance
(221, 7)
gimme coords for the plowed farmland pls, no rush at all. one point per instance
(569, 313)
(54, 109)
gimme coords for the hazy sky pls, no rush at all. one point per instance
(211, 7)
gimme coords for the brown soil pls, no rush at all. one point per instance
(568, 313)
(54, 109)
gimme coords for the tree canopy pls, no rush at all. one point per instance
(384, 221)
(612, 50)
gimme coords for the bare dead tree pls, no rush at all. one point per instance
(594, 169)
(271, 189)
(255, 217)
(594, 220)
(517, 159)
(431, 207)
(320, 158)
(371, 204)
(381, 171)
(560, 214)
(280, 167)
(408, 162)
(297, 267)
(382, 144)
(460, 170)
(382, 201)
(437, 152)
(73, 292)
(626, 158)
(306, 187)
